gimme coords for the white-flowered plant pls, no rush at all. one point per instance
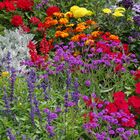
(15, 42)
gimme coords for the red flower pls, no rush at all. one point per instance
(137, 75)
(118, 68)
(119, 96)
(130, 123)
(137, 88)
(126, 48)
(9, 6)
(111, 107)
(25, 28)
(34, 20)
(17, 20)
(44, 46)
(52, 10)
(25, 4)
(2, 5)
(134, 101)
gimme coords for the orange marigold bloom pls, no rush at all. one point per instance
(113, 37)
(89, 42)
(95, 33)
(90, 22)
(78, 37)
(80, 28)
(75, 38)
(61, 34)
(63, 21)
(58, 14)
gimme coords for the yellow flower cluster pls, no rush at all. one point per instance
(79, 12)
(5, 74)
(118, 12)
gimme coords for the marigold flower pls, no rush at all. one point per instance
(89, 42)
(80, 28)
(58, 14)
(75, 38)
(63, 21)
(106, 10)
(95, 33)
(79, 12)
(113, 37)
(61, 34)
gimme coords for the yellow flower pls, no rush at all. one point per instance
(120, 9)
(117, 14)
(79, 12)
(73, 8)
(68, 15)
(106, 10)
(5, 74)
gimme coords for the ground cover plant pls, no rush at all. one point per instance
(69, 70)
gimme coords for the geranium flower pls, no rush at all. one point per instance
(51, 10)
(2, 5)
(17, 20)
(25, 5)
(137, 88)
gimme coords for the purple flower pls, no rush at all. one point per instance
(120, 130)
(37, 110)
(137, 20)
(127, 3)
(7, 103)
(136, 132)
(50, 130)
(12, 82)
(58, 110)
(88, 83)
(111, 132)
(136, 8)
(10, 135)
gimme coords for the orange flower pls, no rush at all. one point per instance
(78, 37)
(95, 33)
(75, 38)
(50, 22)
(89, 42)
(61, 34)
(90, 22)
(58, 14)
(63, 21)
(80, 28)
(113, 37)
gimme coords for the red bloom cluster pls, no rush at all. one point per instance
(120, 104)
(25, 4)
(45, 46)
(17, 20)
(11, 5)
(51, 10)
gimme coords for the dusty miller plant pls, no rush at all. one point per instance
(15, 42)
